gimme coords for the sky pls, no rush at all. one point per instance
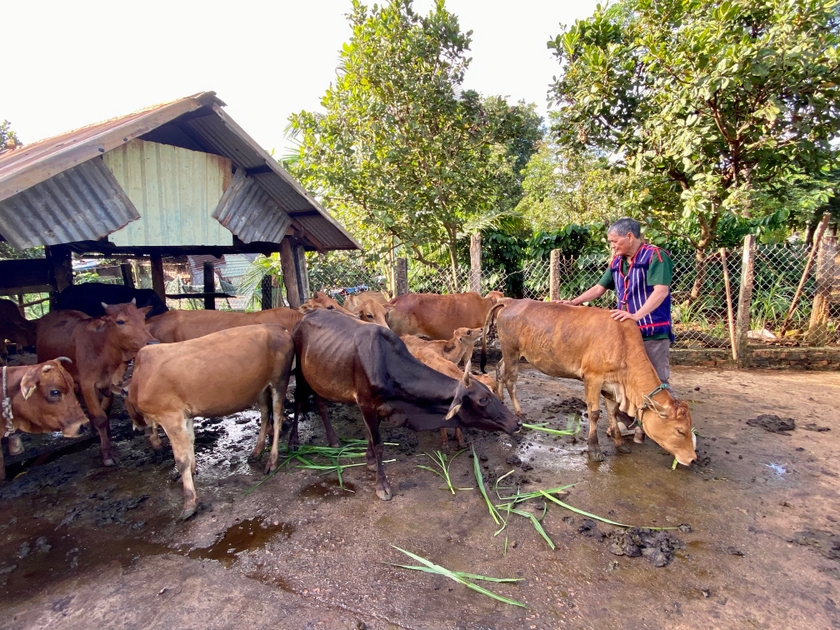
(70, 64)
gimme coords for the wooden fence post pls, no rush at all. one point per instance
(475, 262)
(209, 286)
(290, 279)
(554, 276)
(401, 273)
(817, 327)
(742, 324)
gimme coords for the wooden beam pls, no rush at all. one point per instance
(127, 275)
(158, 282)
(287, 264)
(209, 287)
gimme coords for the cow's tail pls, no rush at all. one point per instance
(489, 321)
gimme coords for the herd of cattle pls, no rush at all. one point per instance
(395, 359)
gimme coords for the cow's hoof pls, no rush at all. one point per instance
(639, 436)
(15, 445)
(596, 456)
(188, 512)
(109, 461)
(623, 449)
(270, 467)
(385, 494)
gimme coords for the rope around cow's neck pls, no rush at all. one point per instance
(7, 408)
(648, 401)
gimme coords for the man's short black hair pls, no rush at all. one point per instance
(626, 225)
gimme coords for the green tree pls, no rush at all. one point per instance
(401, 153)
(719, 108)
(6, 135)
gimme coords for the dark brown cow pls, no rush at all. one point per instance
(344, 360)
(216, 375)
(100, 349)
(176, 326)
(42, 400)
(608, 356)
(14, 327)
(437, 316)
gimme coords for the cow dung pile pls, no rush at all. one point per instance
(656, 546)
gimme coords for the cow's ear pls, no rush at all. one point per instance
(134, 301)
(145, 310)
(467, 378)
(105, 306)
(389, 307)
(29, 383)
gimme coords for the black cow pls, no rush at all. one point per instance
(345, 360)
(88, 298)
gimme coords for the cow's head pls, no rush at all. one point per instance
(128, 324)
(475, 406)
(321, 300)
(49, 399)
(494, 296)
(668, 423)
(372, 312)
(468, 336)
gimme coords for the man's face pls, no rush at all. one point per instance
(621, 245)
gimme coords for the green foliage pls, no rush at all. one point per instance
(718, 108)
(6, 134)
(401, 154)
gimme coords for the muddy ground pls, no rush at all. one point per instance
(83, 546)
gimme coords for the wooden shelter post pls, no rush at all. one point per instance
(290, 279)
(209, 287)
(475, 262)
(60, 268)
(158, 283)
(127, 274)
(302, 273)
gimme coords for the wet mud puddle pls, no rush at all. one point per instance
(49, 558)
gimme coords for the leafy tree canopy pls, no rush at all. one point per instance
(401, 154)
(722, 108)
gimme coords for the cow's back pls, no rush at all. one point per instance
(437, 316)
(568, 341)
(14, 326)
(216, 374)
(88, 298)
(57, 332)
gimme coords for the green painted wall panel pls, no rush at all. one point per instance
(175, 191)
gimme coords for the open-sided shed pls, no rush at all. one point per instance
(174, 179)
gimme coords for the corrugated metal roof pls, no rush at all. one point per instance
(84, 203)
(197, 123)
(250, 213)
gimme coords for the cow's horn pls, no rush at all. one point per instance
(452, 411)
(466, 379)
(67, 360)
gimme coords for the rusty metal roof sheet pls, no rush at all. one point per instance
(196, 122)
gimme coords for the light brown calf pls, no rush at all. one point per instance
(216, 375)
(455, 349)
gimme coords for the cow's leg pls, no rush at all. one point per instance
(592, 387)
(180, 431)
(278, 401)
(444, 440)
(99, 419)
(500, 374)
(374, 453)
(614, 431)
(332, 438)
(509, 376)
(2, 466)
(263, 401)
(459, 438)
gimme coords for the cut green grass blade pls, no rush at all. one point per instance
(596, 517)
(542, 427)
(441, 462)
(479, 480)
(431, 567)
(537, 525)
(525, 496)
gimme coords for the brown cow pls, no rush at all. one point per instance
(344, 360)
(14, 327)
(354, 300)
(217, 375)
(174, 326)
(608, 356)
(437, 316)
(42, 400)
(369, 311)
(100, 349)
(455, 349)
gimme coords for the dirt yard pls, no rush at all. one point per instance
(82, 546)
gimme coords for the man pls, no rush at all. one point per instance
(640, 274)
